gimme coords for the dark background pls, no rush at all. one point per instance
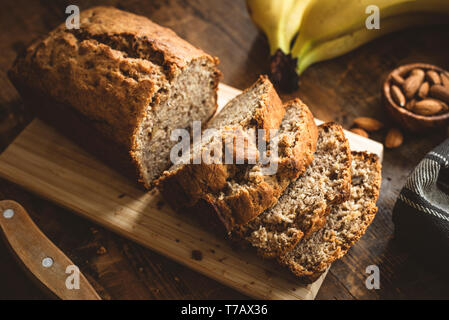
(337, 90)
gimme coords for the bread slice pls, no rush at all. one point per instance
(258, 106)
(118, 86)
(346, 223)
(303, 206)
(250, 191)
(236, 193)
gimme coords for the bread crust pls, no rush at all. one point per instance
(299, 229)
(108, 72)
(189, 184)
(271, 111)
(318, 218)
(368, 213)
(246, 205)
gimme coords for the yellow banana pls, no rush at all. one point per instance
(329, 19)
(329, 28)
(346, 43)
(316, 43)
(278, 19)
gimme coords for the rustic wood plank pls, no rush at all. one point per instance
(336, 90)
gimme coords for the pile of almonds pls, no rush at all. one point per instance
(364, 125)
(424, 92)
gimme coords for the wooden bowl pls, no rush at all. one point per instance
(407, 119)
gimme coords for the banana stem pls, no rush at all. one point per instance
(283, 71)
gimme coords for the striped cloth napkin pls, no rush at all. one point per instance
(421, 212)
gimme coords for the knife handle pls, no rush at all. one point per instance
(41, 257)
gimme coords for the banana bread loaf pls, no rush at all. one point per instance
(345, 224)
(118, 86)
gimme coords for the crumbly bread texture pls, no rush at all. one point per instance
(302, 208)
(346, 223)
(131, 80)
(184, 183)
(258, 106)
(236, 193)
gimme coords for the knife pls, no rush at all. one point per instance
(46, 262)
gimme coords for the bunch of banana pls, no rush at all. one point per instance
(325, 29)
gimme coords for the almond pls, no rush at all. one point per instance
(394, 138)
(397, 79)
(413, 82)
(445, 107)
(427, 107)
(368, 124)
(440, 92)
(423, 90)
(410, 104)
(417, 71)
(360, 132)
(398, 96)
(433, 77)
(445, 80)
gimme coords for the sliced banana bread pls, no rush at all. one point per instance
(345, 224)
(118, 86)
(303, 206)
(237, 193)
(258, 106)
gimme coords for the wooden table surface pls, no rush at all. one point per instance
(338, 90)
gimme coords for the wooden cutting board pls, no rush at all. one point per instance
(43, 161)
